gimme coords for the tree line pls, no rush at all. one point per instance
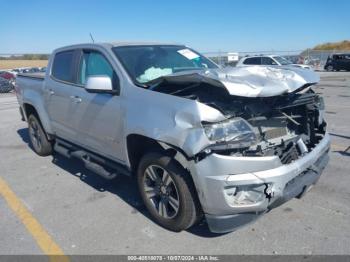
(26, 57)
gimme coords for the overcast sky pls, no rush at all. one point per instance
(226, 25)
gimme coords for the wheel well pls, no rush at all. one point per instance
(139, 145)
(29, 109)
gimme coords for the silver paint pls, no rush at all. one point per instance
(102, 123)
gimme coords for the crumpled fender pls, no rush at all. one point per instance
(169, 119)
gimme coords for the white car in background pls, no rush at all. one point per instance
(268, 60)
(19, 70)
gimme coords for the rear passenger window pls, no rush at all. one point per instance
(252, 61)
(62, 68)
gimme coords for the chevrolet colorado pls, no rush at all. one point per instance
(228, 144)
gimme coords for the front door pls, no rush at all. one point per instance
(98, 116)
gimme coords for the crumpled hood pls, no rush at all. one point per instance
(261, 81)
(248, 81)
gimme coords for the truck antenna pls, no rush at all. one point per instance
(92, 38)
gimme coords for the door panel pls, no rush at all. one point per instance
(58, 91)
(97, 117)
(98, 122)
(59, 105)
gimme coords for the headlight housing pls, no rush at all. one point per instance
(235, 133)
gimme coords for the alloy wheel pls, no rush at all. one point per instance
(160, 190)
(35, 135)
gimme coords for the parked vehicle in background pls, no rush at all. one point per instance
(31, 70)
(232, 58)
(16, 71)
(226, 143)
(268, 60)
(7, 75)
(7, 81)
(6, 85)
(338, 62)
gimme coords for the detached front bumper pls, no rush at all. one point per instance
(237, 190)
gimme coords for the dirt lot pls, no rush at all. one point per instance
(10, 64)
(84, 214)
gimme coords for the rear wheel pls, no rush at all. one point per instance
(38, 138)
(168, 192)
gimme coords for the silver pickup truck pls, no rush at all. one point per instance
(226, 144)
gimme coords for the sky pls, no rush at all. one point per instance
(222, 25)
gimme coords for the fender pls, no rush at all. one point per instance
(32, 98)
(180, 156)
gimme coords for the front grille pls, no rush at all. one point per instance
(288, 153)
(296, 100)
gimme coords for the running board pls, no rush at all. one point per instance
(98, 169)
(99, 165)
(61, 150)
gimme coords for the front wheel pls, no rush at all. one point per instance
(168, 192)
(329, 68)
(40, 144)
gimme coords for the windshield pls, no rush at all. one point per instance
(146, 63)
(281, 60)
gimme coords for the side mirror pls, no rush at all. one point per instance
(99, 84)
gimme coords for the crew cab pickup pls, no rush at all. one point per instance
(224, 144)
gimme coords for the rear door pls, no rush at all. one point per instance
(98, 116)
(58, 92)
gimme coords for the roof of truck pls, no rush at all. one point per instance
(113, 44)
(127, 43)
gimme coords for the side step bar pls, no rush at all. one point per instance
(101, 166)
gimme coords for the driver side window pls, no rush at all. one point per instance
(94, 63)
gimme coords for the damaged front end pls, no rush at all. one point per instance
(269, 146)
(288, 125)
(286, 121)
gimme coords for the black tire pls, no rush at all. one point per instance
(188, 211)
(329, 68)
(38, 138)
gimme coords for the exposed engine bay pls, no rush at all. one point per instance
(287, 125)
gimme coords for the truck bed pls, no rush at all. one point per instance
(38, 76)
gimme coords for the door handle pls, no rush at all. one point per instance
(51, 92)
(76, 99)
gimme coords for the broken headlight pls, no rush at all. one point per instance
(236, 132)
